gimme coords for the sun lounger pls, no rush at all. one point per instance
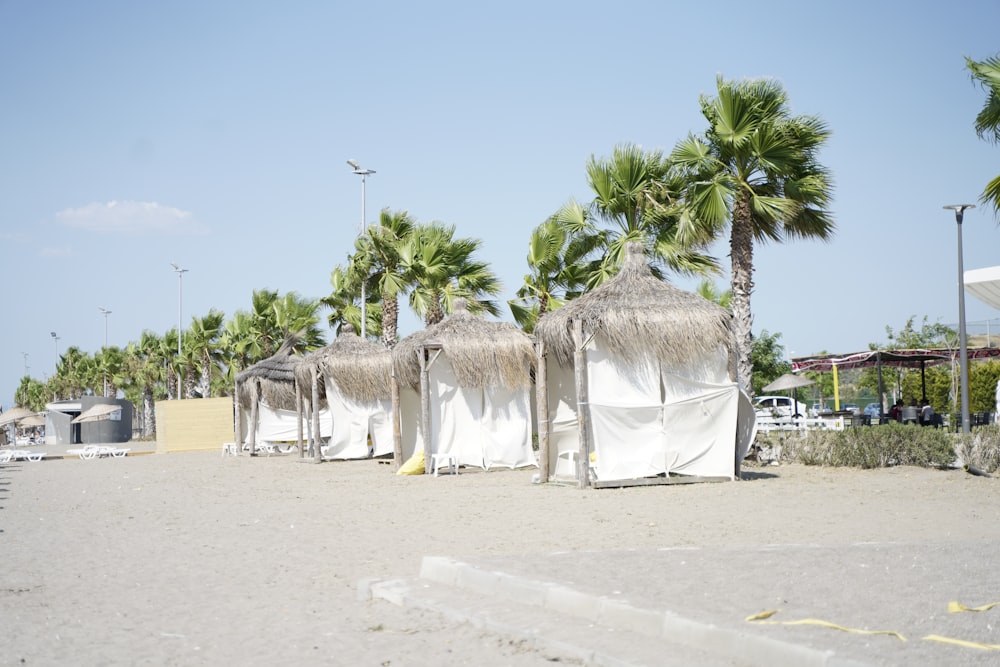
(24, 455)
(98, 451)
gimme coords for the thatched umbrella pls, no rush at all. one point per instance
(271, 380)
(482, 354)
(642, 320)
(14, 415)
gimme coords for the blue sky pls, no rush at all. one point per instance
(215, 135)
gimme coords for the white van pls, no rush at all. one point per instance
(778, 406)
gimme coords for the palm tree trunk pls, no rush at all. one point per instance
(148, 412)
(390, 321)
(741, 254)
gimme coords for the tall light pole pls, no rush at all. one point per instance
(180, 331)
(25, 355)
(105, 312)
(959, 210)
(363, 173)
(55, 339)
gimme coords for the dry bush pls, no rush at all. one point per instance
(980, 449)
(863, 447)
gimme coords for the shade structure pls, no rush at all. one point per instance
(96, 413)
(984, 284)
(15, 415)
(788, 381)
(33, 420)
(639, 384)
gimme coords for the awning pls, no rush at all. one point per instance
(895, 358)
(984, 284)
(97, 413)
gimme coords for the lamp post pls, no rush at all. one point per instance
(105, 312)
(363, 173)
(55, 339)
(180, 331)
(959, 210)
(25, 355)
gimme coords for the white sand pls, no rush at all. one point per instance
(190, 559)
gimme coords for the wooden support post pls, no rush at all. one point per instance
(425, 409)
(237, 419)
(542, 410)
(582, 404)
(315, 435)
(299, 409)
(255, 397)
(397, 431)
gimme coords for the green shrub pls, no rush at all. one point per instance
(871, 447)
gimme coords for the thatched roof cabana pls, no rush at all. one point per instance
(643, 384)
(486, 373)
(275, 378)
(482, 353)
(361, 369)
(641, 317)
(271, 381)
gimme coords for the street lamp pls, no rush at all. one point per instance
(363, 173)
(105, 312)
(55, 339)
(180, 299)
(959, 210)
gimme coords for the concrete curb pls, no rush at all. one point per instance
(620, 615)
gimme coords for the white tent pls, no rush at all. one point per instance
(279, 425)
(353, 378)
(473, 378)
(637, 385)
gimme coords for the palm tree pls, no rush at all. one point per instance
(987, 74)
(442, 269)
(382, 244)
(708, 290)
(755, 168)
(635, 199)
(341, 301)
(203, 339)
(144, 364)
(295, 316)
(556, 274)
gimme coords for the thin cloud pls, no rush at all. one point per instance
(131, 217)
(55, 252)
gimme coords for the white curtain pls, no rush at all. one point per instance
(648, 420)
(483, 428)
(283, 425)
(353, 422)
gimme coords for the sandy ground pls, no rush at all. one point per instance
(197, 559)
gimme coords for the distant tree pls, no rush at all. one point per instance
(767, 356)
(708, 290)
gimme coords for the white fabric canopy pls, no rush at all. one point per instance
(283, 425)
(353, 421)
(984, 284)
(485, 428)
(650, 420)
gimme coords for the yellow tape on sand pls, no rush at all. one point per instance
(955, 607)
(962, 642)
(762, 616)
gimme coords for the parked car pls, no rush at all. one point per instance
(872, 410)
(778, 406)
(817, 409)
(851, 407)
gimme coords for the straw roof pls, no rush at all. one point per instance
(276, 377)
(482, 353)
(362, 369)
(14, 415)
(641, 317)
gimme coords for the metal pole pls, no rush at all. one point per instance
(55, 339)
(963, 348)
(105, 312)
(364, 296)
(363, 173)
